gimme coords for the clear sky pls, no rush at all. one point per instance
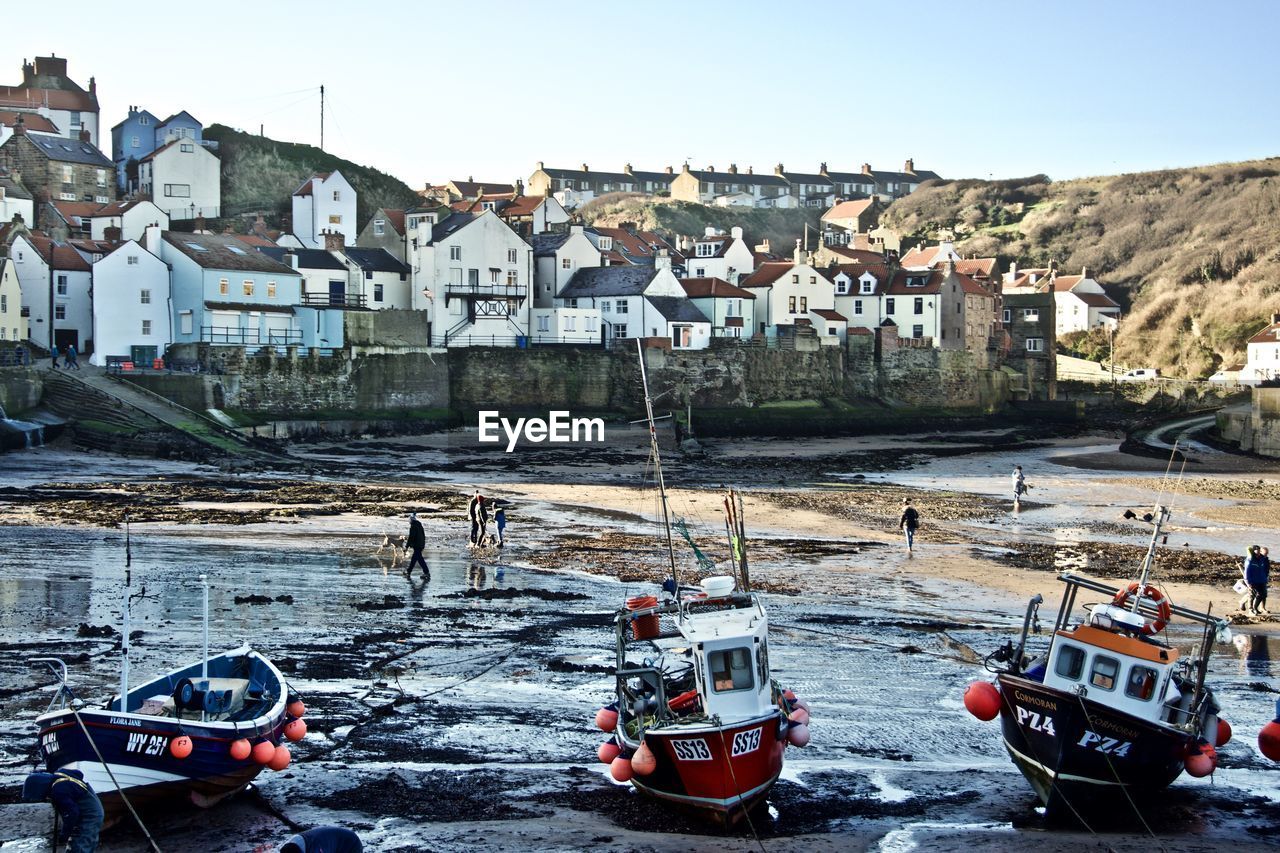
(430, 91)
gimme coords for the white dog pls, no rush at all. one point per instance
(398, 546)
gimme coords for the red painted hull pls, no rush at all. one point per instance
(721, 773)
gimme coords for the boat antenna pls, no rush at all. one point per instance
(657, 467)
(124, 620)
(1161, 515)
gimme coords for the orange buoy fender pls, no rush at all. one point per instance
(606, 719)
(800, 703)
(608, 751)
(1269, 737)
(295, 708)
(799, 716)
(240, 749)
(180, 747)
(263, 752)
(620, 769)
(789, 695)
(1224, 733)
(280, 758)
(295, 730)
(644, 761)
(1201, 761)
(982, 699)
(798, 735)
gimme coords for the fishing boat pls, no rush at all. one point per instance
(1111, 712)
(197, 734)
(698, 720)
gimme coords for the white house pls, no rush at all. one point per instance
(56, 284)
(1081, 304)
(557, 325)
(473, 274)
(324, 202)
(183, 178)
(731, 310)
(131, 217)
(13, 325)
(326, 278)
(859, 289)
(787, 292)
(638, 301)
(719, 255)
(1263, 350)
(14, 199)
(557, 256)
(132, 314)
(384, 279)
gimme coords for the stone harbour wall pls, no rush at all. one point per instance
(20, 389)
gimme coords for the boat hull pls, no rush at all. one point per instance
(1079, 755)
(720, 773)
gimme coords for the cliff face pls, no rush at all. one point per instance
(1193, 255)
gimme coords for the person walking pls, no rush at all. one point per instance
(473, 513)
(76, 802)
(908, 522)
(1257, 574)
(1250, 554)
(53, 354)
(73, 357)
(324, 839)
(416, 540)
(1019, 486)
(500, 519)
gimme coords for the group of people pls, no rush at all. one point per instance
(1257, 574)
(478, 512)
(72, 357)
(81, 815)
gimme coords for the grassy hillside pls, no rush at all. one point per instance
(261, 174)
(681, 218)
(1192, 254)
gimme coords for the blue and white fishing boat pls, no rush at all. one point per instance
(197, 734)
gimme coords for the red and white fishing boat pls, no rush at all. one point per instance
(698, 720)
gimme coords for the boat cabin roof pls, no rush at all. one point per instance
(702, 625)
(1115, 642)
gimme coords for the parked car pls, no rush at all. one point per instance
(1140, 374)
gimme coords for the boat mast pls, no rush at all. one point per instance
(657, 467)
(124, 639)
(204, 657)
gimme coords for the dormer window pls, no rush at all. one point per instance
(916, 281)
(705, 250)
(867, 285)
(606, 244)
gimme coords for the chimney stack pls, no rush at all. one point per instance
(798, 255)
(777, 170)
(20, 126)
(662, 261)
(84, 135)
(290, 259)
(866, 168)
(909, 167)
(670, 171)
(333, 241)
(1084, 272)
(1275, 318)
(584, 168)
(111, 234)
(151, 238)
(733, 168)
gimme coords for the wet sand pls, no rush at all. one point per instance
(454, 711)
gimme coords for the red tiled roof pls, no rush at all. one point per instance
(976, 266)
(860, 330)
(471, 189)
(733, 322)
(615, 258)
(828, 314)
(855, 271)
(970, 285)
(899, 287)
(55, 99)
(919, 257)
(523, 205)
(767, 274)
(1064, 283)
(32, 121)
(396, 218)
(303, 190)
(116, 208)
(255, 240)
(704, 287)
(60, 256)
(73, 211)
(1269, 335)
(848, 209)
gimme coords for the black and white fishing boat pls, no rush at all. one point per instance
(1111, 710)
(196, 734)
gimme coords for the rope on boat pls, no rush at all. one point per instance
(1112, 768)
(107, 767)
(867, 642)
(738, 789)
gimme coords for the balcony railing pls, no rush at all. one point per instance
(248, 337)
(335, 300)
(490, 291)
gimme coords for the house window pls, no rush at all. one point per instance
(4, 303)
(455, 253)
(1007, 315)
(605, 305)
(377, 292)
(622, 307)
(544, 323)
(144, 297)
(144, 120)
(136, 144)
(889, 305)
(700, 272)
(917, 331)
(473, 277)
(335, 218)
(146, 328)
(337, 196)
(513, 256)
(571, 324)
(791, 305)
(566, 264)
(379, 227)
(706, 250)
(620, 330)
(804, 304)
(60, 311)
(589, 325)
(918, 306)
(271, 290)
(177, 190)
(1035, 344)
(512, 277)
(248, 287)
(1031, 315)
(813, 279)
(867, 286)
(62, 285)
(68, 174)
(795, 279)
(102, 177)
(857, 306)
(184, 322)
(493, 276)
(133, 260)
(224, 286)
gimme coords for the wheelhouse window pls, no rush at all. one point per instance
(1070, 662)
(1141, 683)
(731, 669)
(1104, 673)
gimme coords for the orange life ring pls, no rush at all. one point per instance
(684, 701)
(1164, 611)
